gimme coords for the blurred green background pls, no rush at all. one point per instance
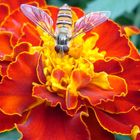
(124, 12)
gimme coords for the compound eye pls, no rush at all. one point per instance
(65, 48)
(57, 48)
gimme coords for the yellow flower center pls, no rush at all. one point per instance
(58, 68)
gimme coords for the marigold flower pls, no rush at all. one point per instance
(91, 93)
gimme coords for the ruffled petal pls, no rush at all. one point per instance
(8, 121)
(40, 125)
(16, 3)
(40, 91)
(16, 89)
(122, 104)
(4, 66)
(15, 23)
(131, 73)
(130, 30)
(118, 123)
(138, 136)
(6, 46)
(40, 73)
(110, 40)
(134, 51)
(20, 48)
(95, 94)
(111, 66)
(4, 11)
(30, 34)
(96, 131)
(79, 79)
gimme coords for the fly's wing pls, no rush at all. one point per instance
(38, 17)
(90, 21)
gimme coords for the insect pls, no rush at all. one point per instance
(65, 28)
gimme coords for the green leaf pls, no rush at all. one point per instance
(120, 137)
(10, 135)
(55, 2)
(117, 7)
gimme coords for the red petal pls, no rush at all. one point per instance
(131, 73)
(8, 121)
(138, 136)
(96, 131)
(79, 12)
(30, 34)
(79, 79)
(4, 11)
(4, 66)
(95, 94)
(21, 47)
(16, 3)
(40, 73)
(14, 23)
(16, 91)
(53, 124)
(5, 43)
(110, 67)
(134, 51)
(58, 74)
(122, 104)
(111, 40)
(53, 11)
(40, 91)
(118, 123)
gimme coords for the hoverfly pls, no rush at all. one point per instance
(63, 32)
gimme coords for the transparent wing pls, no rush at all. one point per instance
(90, 21)
(38, 17)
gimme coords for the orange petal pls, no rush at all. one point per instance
(58, 74)
(5, 44)
(53, 11)
(14, 23)
(122, 104)
(39, 125)
(79, 12)
(95, 94)
(134, 51)
(111, 40)
(21, 47)
(16, 3)
(30, 34)
(40, 91)
(118, 123)
(95, 129)
(130, 30)
(16, 88)
(79, 79)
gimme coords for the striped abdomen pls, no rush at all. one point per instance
(64, 18)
